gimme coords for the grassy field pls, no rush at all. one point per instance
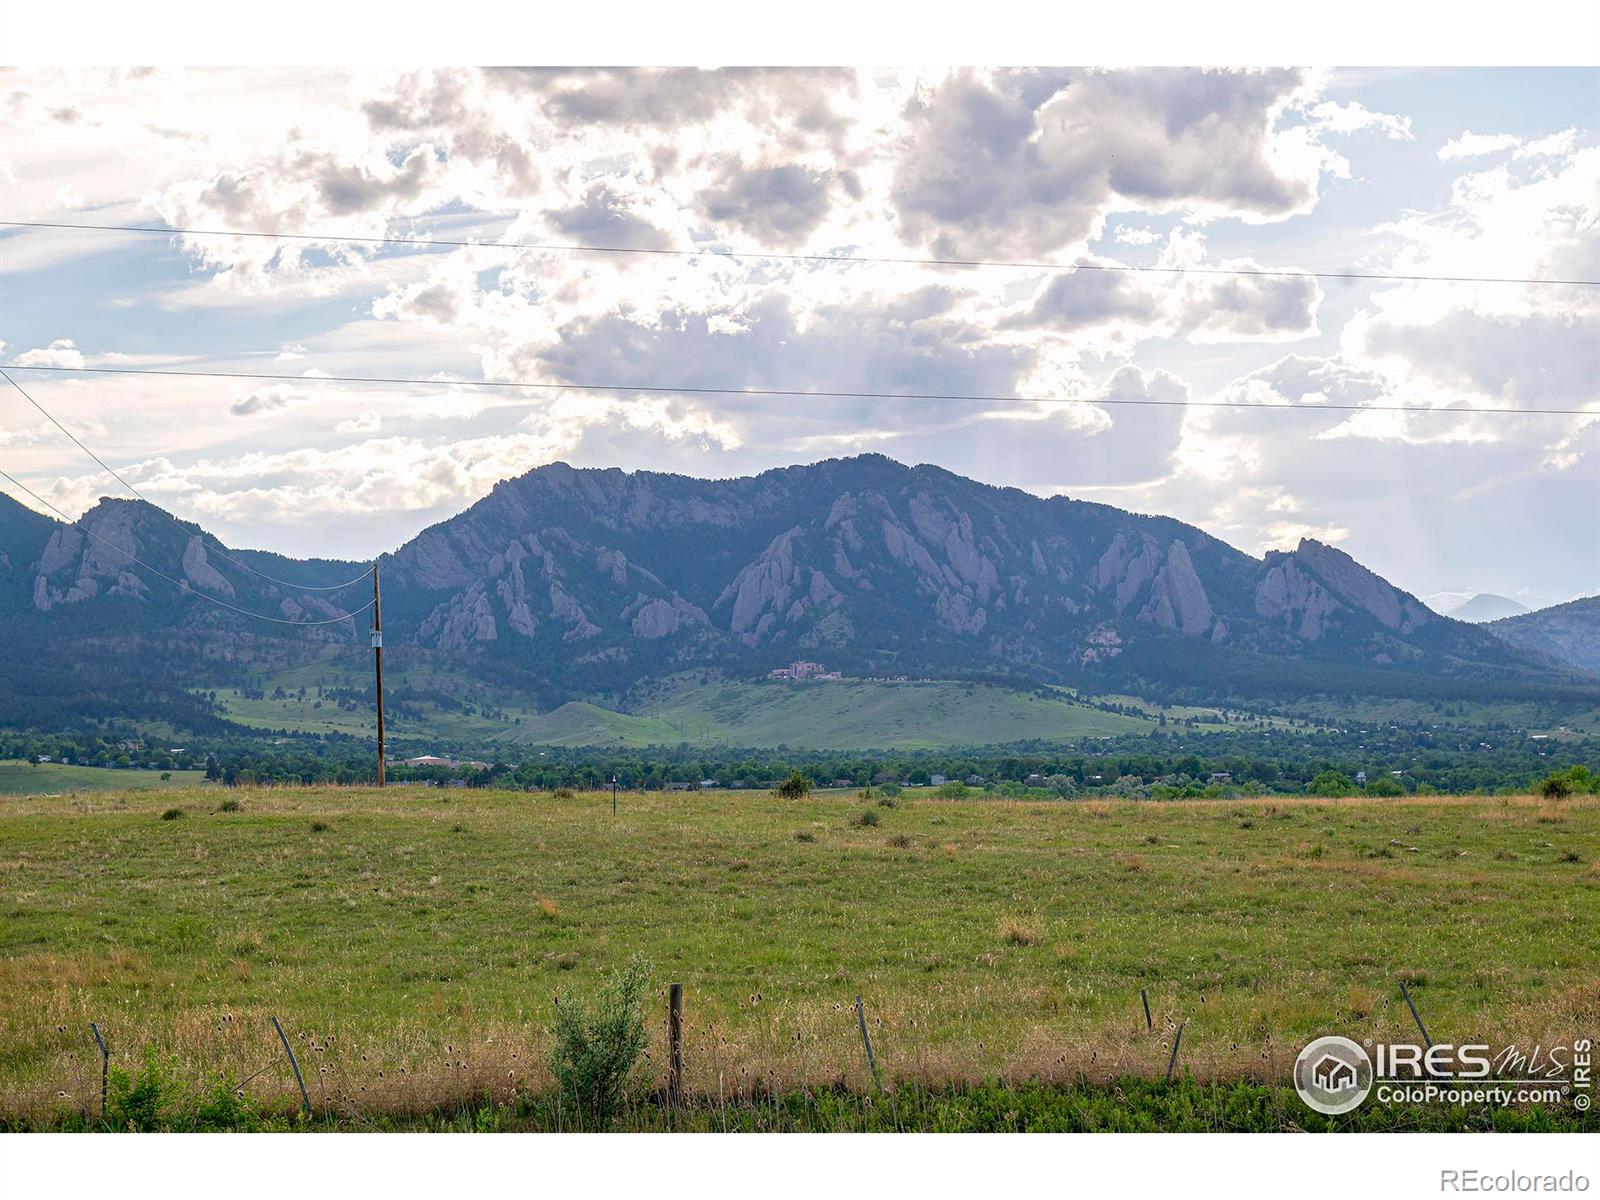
(846, 715)
(413, 941)
(26, 779)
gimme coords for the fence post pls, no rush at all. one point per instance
(1414, 1016)
(675, 1044)
(105, 1067)
(872, 1063)
(1177, 1040)
(298, 1078)
(1144, 999)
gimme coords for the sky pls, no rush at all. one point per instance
(1450, 172)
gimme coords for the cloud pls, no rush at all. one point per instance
(1353, 118)
(367, 421)
(778, 204)
(1473, 145)
(263, 400)
(1027, 162)
(605, 218)
(59, 353)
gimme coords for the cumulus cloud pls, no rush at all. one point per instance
(1353, 117)
(1473, 145)
(1028, 162)
(367, 421)
(59, 353)
(779, 204)
(263, 400)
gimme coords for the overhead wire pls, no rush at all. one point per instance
(691, 390)
(181, 583)
(838, 259)
(217, 548)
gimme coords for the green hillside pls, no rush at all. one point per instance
(847, 715)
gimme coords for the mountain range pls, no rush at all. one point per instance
(571, 583)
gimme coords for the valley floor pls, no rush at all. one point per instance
(413, 941)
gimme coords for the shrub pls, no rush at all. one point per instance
(564, 793)
(146, 1102)
(596, 1051)
(155, 1099)
(1330, 783)
(953, 790)
(228, 806)
(805, 835)
(887, 801)
(1556, 786)
(172, 814)
(796, 787)
(319, 827)
(900, 842)
(868, 818)
(891, 790)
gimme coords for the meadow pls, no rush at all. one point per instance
(413, 942)
(27, 778)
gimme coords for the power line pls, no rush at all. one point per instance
(639, 388)
(577, 248)
(182, 583)
(220, 552)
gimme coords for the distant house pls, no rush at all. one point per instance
(435, 760)
(936, 780)
(1222, 777)
(709, 783)
(975, 781)
(1361, 779)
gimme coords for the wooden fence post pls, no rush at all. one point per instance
(675, 1044)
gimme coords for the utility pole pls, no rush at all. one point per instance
(377, 662)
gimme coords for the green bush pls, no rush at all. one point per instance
(155, 1099)
(172, 814)
(1556, 787)
(1331, 783)
(228, 806)
(868, 818)
(954, 790)
(595, 1052)
(796, 787)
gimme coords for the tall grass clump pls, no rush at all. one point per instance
(597, 1046)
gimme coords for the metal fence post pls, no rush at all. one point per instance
(105, 1067)
(298, 1078)
(1177, 1040)
(1144, 999)
(1414, 1015)
(872, 1063)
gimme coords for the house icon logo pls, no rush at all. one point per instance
(1333, 1075)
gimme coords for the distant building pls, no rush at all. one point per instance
(936, 780)
(801, 669)
(709, 783)
(1222, 777)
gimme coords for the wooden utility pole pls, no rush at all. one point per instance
(377, 662)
